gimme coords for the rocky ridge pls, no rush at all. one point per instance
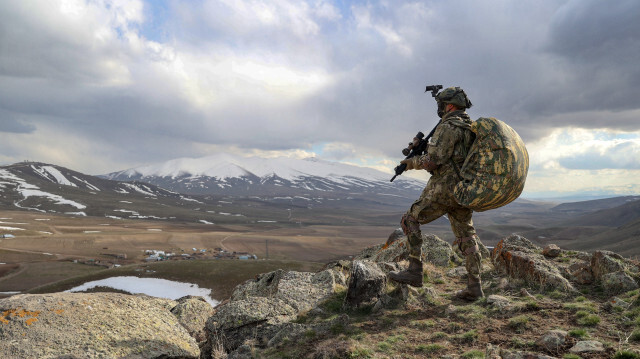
(541, 303)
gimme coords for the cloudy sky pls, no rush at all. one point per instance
(104, 85)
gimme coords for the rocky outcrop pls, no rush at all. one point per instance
(300, 290)
(616, 273)
(520, 258)
(92, 325)
(367, 284)
(192, 313)
(434, 250)
(261, 310)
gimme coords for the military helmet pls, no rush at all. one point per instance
(454, 95)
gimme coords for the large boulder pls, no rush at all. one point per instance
(300, 290)
(434, 250)
(580, 272)
(367, 284)
(255, 317)
(618, 282)
(261, 310)
(192, 313)
(604, 262)
(520, 258)
(92, 325)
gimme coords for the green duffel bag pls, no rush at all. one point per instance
(495, 169)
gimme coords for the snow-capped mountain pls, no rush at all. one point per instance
(233, 175)
(46, 188)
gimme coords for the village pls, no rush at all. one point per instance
(154, 255)
(217, 253)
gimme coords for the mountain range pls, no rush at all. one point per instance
(218, 189)
(224, 174)
(225, 190)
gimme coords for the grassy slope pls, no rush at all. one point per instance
(431, 327)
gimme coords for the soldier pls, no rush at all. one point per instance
(448, 148)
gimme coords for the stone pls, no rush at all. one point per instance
(396, 235)
(300, 290)
(498, 301)
(367, 283)
(457, 272)
(580, 273)
(551, 250)
(434, 251)
(525, 293)
(192, 313)
(92, 325)
(604, 262)
(587, 346)
(520, 258)
(618, 282)
(552, 340)
(616, 302)
(254, 317)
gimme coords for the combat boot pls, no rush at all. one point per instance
(473, 291)
(412, 276)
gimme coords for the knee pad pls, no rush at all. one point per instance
(467, 245)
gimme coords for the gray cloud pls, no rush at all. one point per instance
(9, 123)
(535, 65)
(595, 45)
(622, 156)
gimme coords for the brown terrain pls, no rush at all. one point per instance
(44, 249)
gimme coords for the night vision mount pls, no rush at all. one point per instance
(434, 89)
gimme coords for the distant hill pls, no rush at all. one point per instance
(593, 205)
(612, 212)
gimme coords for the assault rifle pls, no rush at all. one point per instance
(419, 145)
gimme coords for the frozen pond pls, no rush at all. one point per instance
(154, 287)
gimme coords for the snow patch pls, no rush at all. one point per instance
(11, 228)
(190, 200)
(146, 190)
(89, 185)
(81, 214)
(57, 175)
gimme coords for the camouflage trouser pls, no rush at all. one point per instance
(437, 200)
(470, 249)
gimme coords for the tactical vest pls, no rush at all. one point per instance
(495, 170)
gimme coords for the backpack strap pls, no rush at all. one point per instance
(458, 122)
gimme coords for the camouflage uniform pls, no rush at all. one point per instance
(448, 148)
